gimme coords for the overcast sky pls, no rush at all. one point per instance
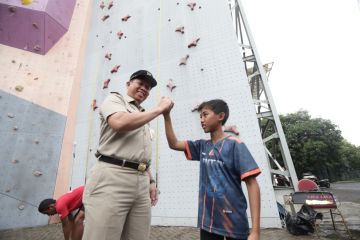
(315, 47)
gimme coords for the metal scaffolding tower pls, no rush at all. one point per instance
(282, 170)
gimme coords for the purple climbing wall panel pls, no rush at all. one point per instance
(35, 27)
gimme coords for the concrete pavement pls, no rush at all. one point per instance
(346, 193)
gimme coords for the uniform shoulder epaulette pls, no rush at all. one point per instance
(116, 93)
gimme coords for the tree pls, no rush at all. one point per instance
(314, 144)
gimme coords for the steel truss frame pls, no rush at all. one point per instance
(269, 121)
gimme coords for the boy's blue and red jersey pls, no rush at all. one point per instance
(222, 204)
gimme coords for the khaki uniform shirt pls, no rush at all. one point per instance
(132, 145)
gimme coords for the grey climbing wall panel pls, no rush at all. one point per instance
(214, 69)
(30, 139)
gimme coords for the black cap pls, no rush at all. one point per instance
(144, 75)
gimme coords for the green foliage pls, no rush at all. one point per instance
(316, 146)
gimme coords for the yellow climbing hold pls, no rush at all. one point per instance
(19, 88)
(26, 2)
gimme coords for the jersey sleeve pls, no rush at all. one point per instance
(112, 104)
(192, 150)
(244, 162)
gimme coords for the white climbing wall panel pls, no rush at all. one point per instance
(214, 69)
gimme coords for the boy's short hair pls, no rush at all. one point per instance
(44, 205)
(217, 106)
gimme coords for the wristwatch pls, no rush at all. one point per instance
(152, 181)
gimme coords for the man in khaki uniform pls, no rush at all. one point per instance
(120, 191)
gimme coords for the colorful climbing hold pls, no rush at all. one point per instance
(12, 9)
(106, 83)
(171, 85)
(19, 88)
(115, 69)
(108, 56)
(180, 29)
(105, 17)
(124, 19)
(183, 60)
(94, 105)
(37, 173)
(37, 48)
(102, 5)
(195, 107)
(192, 6)
(194, 43)
(120, 34)
(15, 161)
(111, 4)
(26, 2)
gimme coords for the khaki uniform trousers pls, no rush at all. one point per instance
(117, 204)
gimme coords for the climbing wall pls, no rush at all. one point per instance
(35, 111)
(34, 26)
(192, 50)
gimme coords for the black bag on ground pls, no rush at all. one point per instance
(303, 222)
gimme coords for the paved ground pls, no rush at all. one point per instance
(347, 193)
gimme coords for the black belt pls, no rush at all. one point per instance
(141, 167)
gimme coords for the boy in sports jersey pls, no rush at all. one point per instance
(72, 226)
(224, 162)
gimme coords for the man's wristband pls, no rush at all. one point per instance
(152, 181)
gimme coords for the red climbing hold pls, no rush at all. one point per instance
(194, 43)
(102, 5)
(183, 60)
(195, 107)
(115, 69)
(94, 105)
(120, 34)
(111, 4)
(192, 6)
(232, 129)
(106, 83)
(124, 19)
(171, 85)
(105, 17)
(108, 56)
(180, 29)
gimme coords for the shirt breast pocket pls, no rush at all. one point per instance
(130, 109)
